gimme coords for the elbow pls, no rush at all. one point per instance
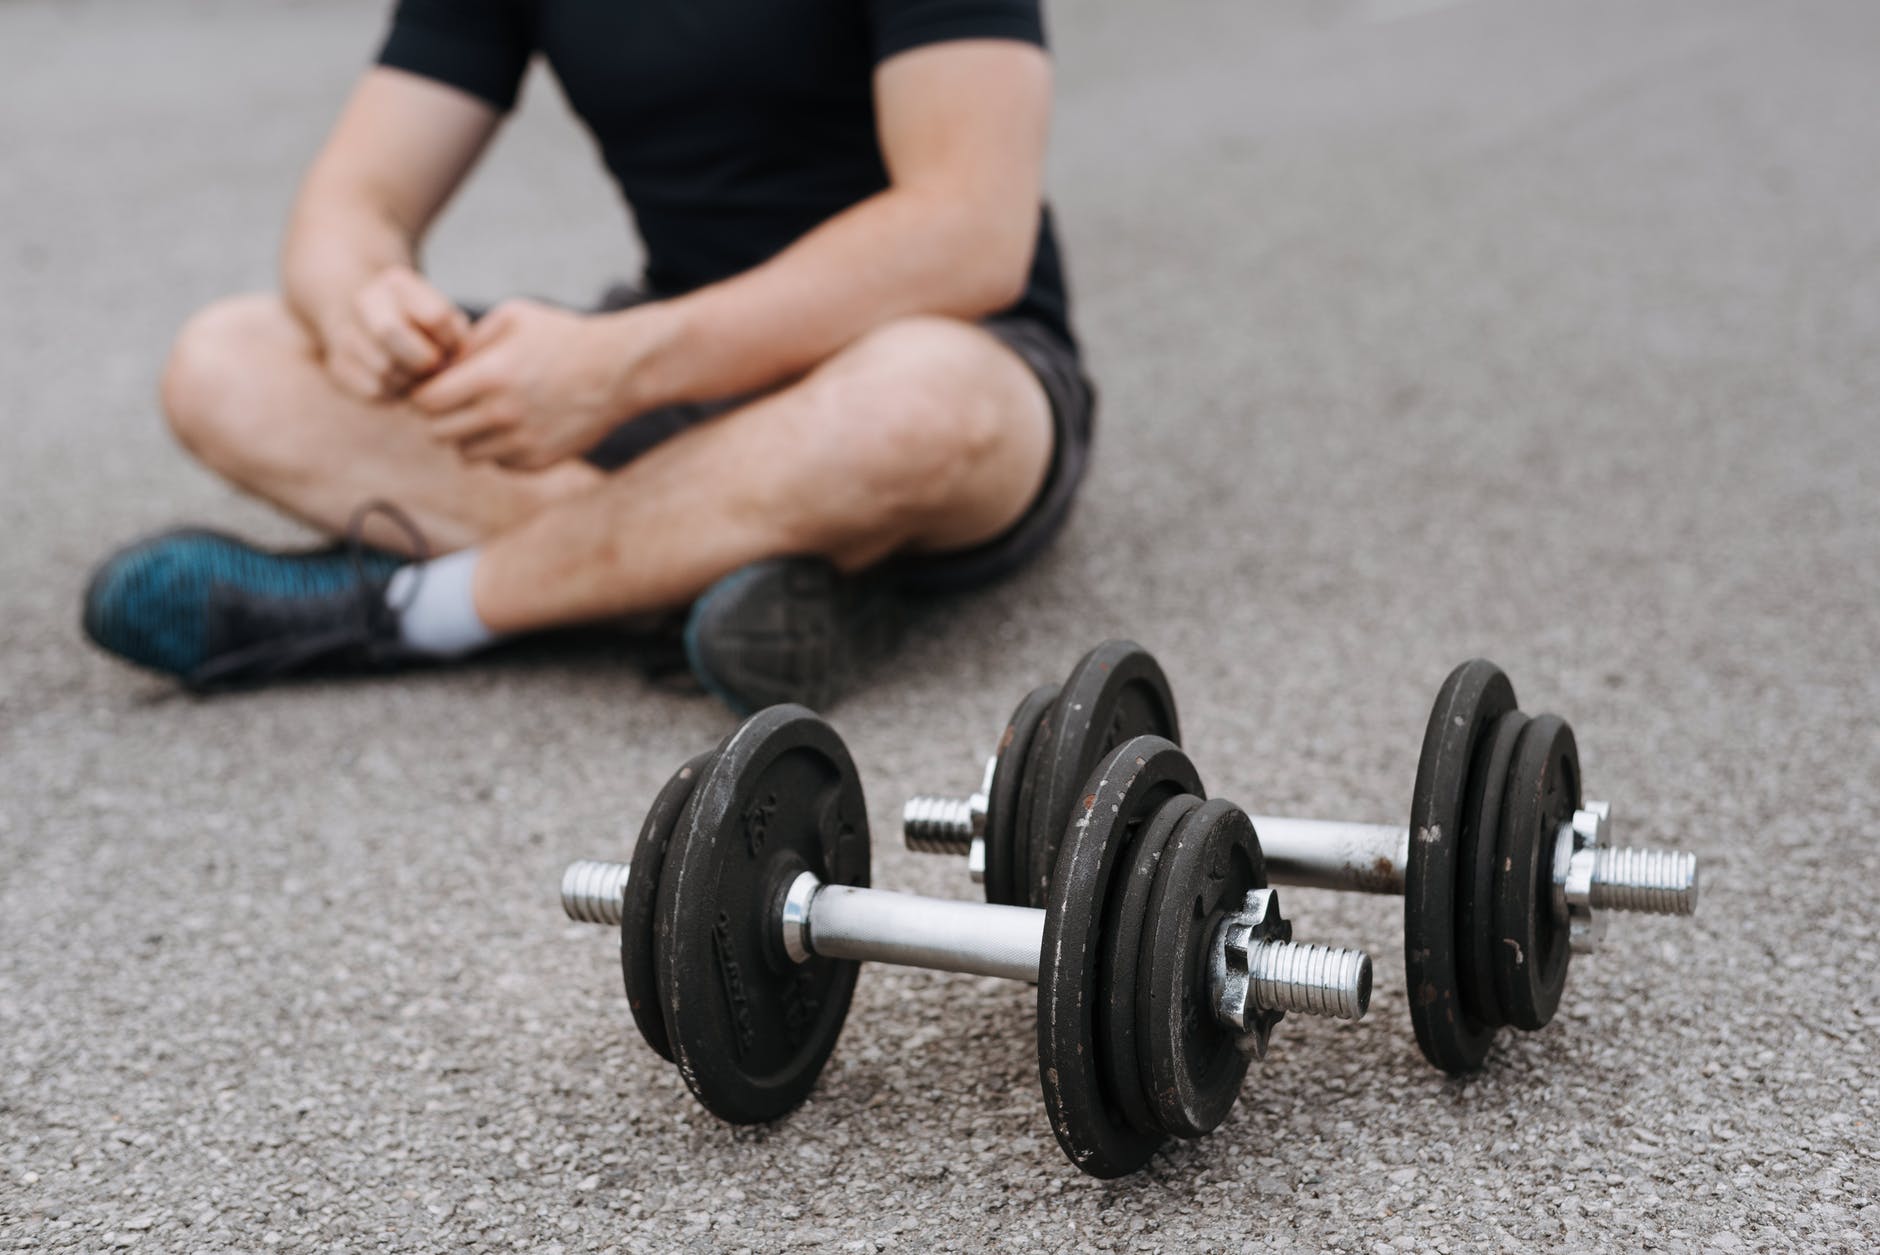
(1005, 280)
(1001, 271)
(990, 269)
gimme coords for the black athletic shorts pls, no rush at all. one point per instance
(1073, 414)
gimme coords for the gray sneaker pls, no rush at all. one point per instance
(789, 630)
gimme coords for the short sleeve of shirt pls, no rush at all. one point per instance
(478, 46)
(899, 25)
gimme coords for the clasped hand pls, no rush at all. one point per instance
(525, 386)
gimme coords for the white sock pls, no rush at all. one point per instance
(436, 613)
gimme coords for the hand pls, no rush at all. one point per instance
(534, 384)
(397, 331)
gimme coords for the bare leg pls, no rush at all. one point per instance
(246, 394)
(927, 434)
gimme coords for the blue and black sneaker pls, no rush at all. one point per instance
(216, 612)
(789, 630)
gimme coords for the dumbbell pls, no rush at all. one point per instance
(1011, 827)
(1162, 960)
(1504, 871)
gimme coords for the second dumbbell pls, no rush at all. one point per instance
(1504, 870)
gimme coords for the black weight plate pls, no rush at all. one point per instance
(1127, 789)
(1005, 850)
(1025, 889)
(1122, 960)
(1474, 696)
(642, 896)
(1193, 1064)
(1475, 902)
(1543, 791)
(1115, 692)
(751, 1030)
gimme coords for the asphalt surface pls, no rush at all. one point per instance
(1543, 331)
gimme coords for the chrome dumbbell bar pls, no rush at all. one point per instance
(1590, 874)
(1249, 971)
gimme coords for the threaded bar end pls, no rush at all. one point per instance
(1311, 980)
(938, 825)
(593, 891)
(1654, 882)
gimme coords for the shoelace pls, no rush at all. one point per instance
(269, 658)
(356, 549)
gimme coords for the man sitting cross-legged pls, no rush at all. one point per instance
(847, 377)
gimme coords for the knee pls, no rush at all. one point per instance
(923, 412)
(214, 369)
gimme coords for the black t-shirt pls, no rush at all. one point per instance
(732, 126)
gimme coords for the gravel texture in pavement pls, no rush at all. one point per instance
(1543, 330)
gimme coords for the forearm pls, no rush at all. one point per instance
(899, 253)
(336, 242)
(398, 151)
